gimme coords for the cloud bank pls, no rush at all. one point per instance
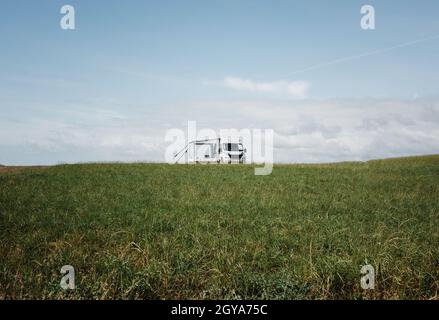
(305, 130)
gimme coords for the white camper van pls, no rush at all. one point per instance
(213, 151)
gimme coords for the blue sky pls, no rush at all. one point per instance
(134, 69)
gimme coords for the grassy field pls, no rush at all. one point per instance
(155, 231)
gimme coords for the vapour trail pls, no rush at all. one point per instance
(362, 55)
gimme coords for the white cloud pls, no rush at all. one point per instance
(305, 130)
(336, 130)
(296, 89)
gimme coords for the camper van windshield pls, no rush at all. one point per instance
(233, 147)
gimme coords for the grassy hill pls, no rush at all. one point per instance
(155, 231)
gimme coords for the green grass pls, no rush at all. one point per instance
(155, 231)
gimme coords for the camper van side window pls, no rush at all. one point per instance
(231, 147)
